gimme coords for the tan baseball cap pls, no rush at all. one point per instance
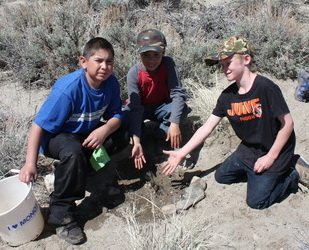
(230, 46)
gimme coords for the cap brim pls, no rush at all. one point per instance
(211, 61)
(150, 48)
(214, 59)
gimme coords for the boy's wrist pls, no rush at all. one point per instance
(272, 155)
(136, 140)
(174, 124)
(181, 153)
(31, 164)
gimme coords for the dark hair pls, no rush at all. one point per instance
(95, 44)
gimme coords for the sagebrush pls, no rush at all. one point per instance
(41, 40)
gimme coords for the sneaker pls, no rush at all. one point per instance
(302, 167)
(71, 233)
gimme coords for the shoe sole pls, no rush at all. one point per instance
(302, 162)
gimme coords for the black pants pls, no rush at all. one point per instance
(72, 169)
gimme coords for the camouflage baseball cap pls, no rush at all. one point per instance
(150, 40)
(230, 46)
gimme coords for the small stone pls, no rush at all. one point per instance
(198, 182)
(193, 195)
(169, 209)
(49, 182)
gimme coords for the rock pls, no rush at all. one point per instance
(193, 195)
(49, 182)
(198, 182)
(169, 209)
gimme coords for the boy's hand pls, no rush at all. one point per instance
(95, 139)
(172, 162)
(263, 163)
(174, 135)
(28, 173)
(138, 155)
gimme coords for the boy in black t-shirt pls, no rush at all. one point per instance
(260, 117)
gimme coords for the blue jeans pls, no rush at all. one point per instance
(263, 189)
(72, 170)
(157, 113)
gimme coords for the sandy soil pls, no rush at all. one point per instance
(229, 222)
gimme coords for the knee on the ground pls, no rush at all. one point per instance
(220, 179)
(257, 205)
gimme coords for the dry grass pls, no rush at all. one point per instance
(171, 232)
(13, 135)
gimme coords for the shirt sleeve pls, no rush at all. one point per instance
(54, 112)
(177, 91)
(134, 106)
(218, 110)
(276, 100)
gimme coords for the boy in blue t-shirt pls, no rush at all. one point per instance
(69, 128)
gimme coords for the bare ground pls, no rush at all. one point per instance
(229, 222)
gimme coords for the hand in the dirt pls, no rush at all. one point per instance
(94, 139)
(263, 163)
(172, 162)
(28, 173)
(174, 135)
(138, 155)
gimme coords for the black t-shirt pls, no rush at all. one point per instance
(253, 116)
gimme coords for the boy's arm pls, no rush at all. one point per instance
(135, 107)
(178, 95)
(175, 157)
(96, 138)
(266, 161)
(29, 171)
(135, 116)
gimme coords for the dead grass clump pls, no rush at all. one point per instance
(13, 134)
(173, 232)
(203, 100)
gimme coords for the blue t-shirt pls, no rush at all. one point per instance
(74, 107)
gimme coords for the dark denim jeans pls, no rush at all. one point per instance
(157, 113)
(71, 172)
(263, 189)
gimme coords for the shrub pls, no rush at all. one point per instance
(42, 40)
(281, 41)
(123, 40)
(13, 135)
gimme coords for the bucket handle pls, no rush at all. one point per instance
(12, 171)
(16, 171)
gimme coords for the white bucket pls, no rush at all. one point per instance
(21, 219)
